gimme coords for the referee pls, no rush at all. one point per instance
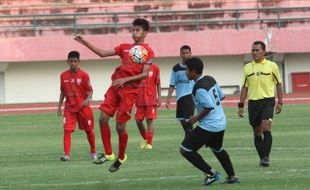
(259, 78)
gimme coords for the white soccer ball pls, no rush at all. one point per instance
(138, 54)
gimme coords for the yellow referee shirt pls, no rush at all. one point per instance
(260, 79)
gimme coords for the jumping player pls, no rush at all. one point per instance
(122, 94)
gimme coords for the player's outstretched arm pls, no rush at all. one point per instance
(98, 51)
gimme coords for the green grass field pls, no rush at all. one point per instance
(30, 147)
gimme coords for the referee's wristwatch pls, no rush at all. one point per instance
(240, 105)
(280, 102)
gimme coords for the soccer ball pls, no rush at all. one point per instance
(138, 54)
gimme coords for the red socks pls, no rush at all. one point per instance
(122, 144)
(91, 140)
(149, 137)
(67, 142)
(106, 138)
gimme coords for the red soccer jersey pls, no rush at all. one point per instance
(128, 67)
(76, 87)
(147, 91)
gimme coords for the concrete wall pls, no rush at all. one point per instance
(39, 81)
(205, 43)
(216, 66)
(2, 87)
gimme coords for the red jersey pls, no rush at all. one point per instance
(75, 87)
(128, 67)
(147, 91)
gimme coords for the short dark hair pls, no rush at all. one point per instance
(194, 63)
(74, 54)
(262, 44)
(142, 22)
(186, 47)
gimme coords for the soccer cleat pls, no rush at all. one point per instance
(209, 179)
(93, 156)
(117, 164)
(148, 146)
(104, 158)
(264, 162)
(65, 158)
(231, 180)
(143, 144)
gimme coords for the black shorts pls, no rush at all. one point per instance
(260, 110)
(185, 107)
(200, 137)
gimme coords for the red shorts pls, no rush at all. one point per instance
(149, 112)
(120, 100)
(84, 118)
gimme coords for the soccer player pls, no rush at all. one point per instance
(184, 86)
(76, 88)
(207, 96)
(122, 93)
(259, 79)
(148, 100)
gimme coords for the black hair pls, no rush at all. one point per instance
(194, 63)
(262, 44)
(141, 22)
(74, 54)
(185, 47)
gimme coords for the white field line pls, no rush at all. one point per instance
(230, 148)
(284, 99)
(36, 108)
(125, 180)
(96, 106)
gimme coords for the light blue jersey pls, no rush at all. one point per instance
(207, 94)
(180, 81)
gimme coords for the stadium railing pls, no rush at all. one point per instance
(114, 22)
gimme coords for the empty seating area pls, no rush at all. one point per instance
(19, 18)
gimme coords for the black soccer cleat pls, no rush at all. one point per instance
(231, 180)
(65, 158)
(264, 162)
(104, 158)
(209, 179)
(117, 164)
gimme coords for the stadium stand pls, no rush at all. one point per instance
(36, 35)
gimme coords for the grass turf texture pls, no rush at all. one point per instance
(30, 147)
